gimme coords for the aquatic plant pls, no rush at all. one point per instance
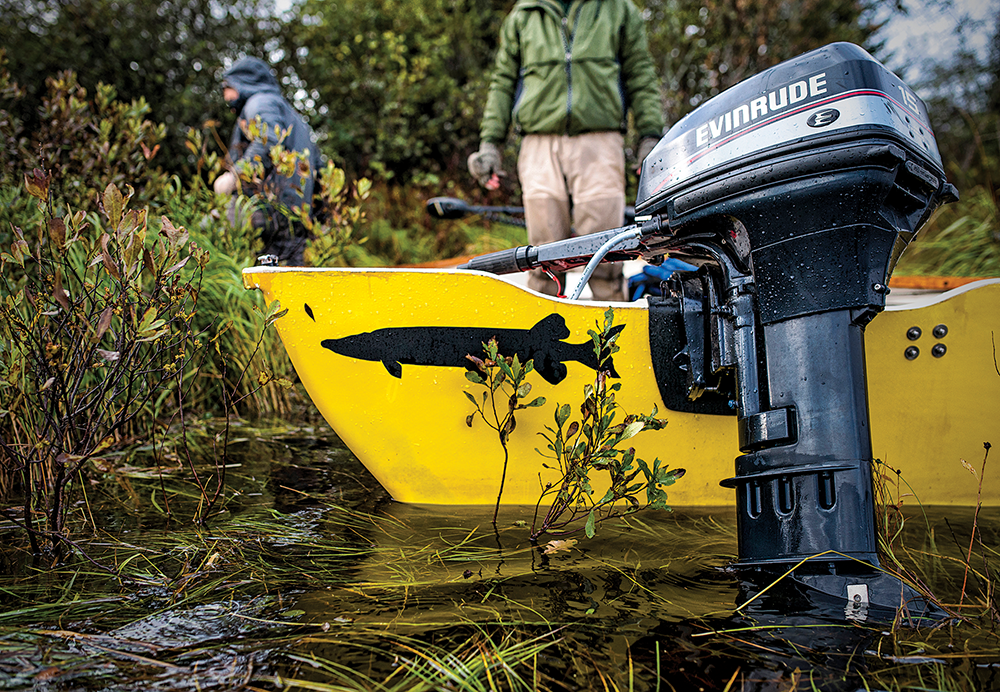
(934, 562)
(507, 376)
(592, 445)
(315, 579)
(578, 450)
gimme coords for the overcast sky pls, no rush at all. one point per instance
(928, 31)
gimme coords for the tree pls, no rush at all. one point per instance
(962, 95)
(398, 87)
(168, 53)
(705, 47)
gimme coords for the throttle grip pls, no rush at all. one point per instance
(509, 261)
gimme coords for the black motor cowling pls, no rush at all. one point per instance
(827, 162)
(796, 191)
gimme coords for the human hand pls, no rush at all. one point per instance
(225, 184)
(484, 165)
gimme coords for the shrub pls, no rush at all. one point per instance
(98, 335)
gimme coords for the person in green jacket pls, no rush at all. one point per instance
(566, 74)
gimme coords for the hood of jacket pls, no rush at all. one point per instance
(250, 76)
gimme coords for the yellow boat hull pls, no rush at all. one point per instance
(407, 422)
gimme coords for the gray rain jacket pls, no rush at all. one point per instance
(260, 95)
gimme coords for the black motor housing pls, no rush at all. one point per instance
(797, 191)
(828, 162)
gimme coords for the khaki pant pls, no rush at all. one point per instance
(578, 181)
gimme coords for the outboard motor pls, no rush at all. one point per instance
(797, 191)
(794, 192)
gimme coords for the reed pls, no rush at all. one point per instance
(968, 245)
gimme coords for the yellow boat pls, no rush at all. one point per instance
(400, 404)
(772, 354)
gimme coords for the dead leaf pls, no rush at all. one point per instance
(104, 322)
(968, 467)
(59, 294)
(558, 546)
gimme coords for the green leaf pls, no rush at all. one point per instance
(534, 403)
(632, 430)
(474, 377)
(562, 414)
(644, 468)
(504, 368)
(114, 204)
(590, 528)
(491, 349)
(524, 390)
(274, 313)
(149, 321)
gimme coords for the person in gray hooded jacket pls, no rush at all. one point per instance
(251, 90)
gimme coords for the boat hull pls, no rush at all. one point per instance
(380, 353)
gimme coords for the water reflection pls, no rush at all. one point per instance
(312, 574)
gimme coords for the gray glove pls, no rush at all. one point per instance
(484, 163)
(646, 145)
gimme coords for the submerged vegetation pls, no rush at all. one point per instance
(310, 579)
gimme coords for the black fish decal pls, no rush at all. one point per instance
(395, 347)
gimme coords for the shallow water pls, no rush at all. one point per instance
(311, 578)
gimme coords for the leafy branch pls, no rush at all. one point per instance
(590, 445)
(506, 375)
(98, 323)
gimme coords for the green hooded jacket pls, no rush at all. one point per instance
(572, 70)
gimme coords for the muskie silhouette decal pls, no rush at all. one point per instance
(395, 347)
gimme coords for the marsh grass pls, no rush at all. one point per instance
(959, 564)
(308, 578)
(968, 245)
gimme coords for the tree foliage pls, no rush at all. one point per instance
(165, 52)
(399, 86)
(963, 97)
(963, 100)
(396, 87)
(702, 48)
